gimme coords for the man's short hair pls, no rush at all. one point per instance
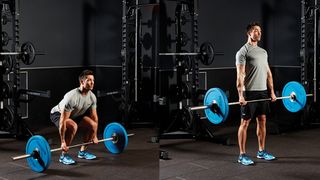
(251, 25)
(84, 74)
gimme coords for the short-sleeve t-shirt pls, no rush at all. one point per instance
(76, 103)
(255, 60)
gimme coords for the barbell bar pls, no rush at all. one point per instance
(27, 53)
(206, 53)
(216, 106)
(291, 97)
(11, 53)
(38, 152)
(72, 146)
(18, 53)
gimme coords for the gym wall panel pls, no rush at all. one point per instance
(224, 22)
(108, 16)
(57, 29)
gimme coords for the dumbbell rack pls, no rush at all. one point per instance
(309, 54)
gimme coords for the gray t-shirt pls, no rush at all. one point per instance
(76, 103)
(255, 60)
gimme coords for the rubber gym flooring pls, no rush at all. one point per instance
(139, 161)
(298, 157)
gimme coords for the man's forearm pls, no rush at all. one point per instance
(62, 130)
(240, 84)
(270, 83)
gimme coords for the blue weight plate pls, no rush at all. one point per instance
(300, 101)
(40, 144)
(122, 138)
(218, 96)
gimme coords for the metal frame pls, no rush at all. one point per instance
(309, 54)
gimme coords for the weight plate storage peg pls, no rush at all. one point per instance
(40, 157)
(119, 135)
(300, 97)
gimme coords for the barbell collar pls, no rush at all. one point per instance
(73, 146)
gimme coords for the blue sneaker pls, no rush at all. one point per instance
(66, 159)
(245, 160)
(86, 155)
(265, 155)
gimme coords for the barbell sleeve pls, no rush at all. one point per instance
(10, 53)
(72, 146)
(21, 157)
(18, 53)
(198, 107)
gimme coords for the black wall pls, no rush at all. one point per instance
(223, 23)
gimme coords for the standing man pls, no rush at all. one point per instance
(253, 80)
(77, 109)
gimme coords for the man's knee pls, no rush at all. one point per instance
(93, 125)
(245, 123)
(71, 126)
(261, 120)
(89, 123)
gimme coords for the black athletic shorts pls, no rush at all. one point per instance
(55, 118)
(252, 110)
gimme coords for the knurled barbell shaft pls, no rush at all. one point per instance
(179, 54)
(72, 146)
(259, 100)
(237, 103)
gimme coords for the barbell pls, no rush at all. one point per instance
(216, 106)
(27, 53)
(206, 53)
(38, 153)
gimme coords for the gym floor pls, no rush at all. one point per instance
(297, 155)
(140, 160)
